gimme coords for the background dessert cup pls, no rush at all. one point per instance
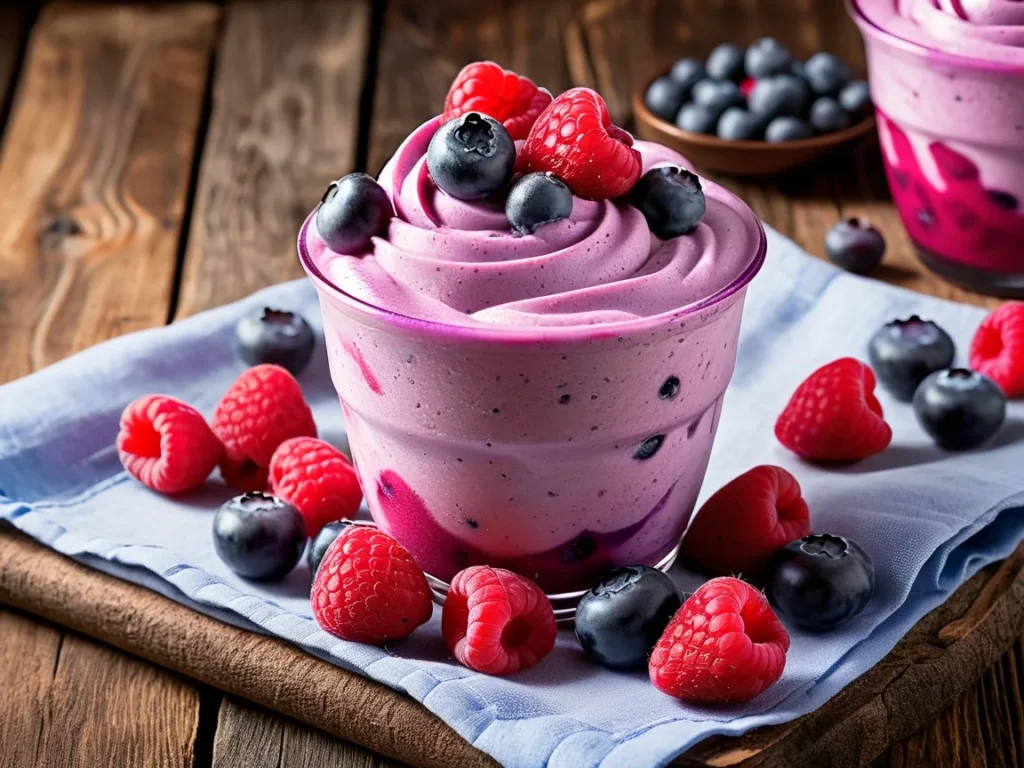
(556, 449)
(947, 80)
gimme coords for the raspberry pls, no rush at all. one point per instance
(512, 100)
(166, 444)
(834, 415)
(317, 479)
(997, 350)
(497, 622)
(724, 645)
(262, 409)
(368, 589)
(574, 139)
(747, 521)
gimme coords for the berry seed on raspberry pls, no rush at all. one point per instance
(262, 409)
(724, 645)
(997, 350)
(741, 527)
(368, 588)
(317, 479)
(834, 415)
(166, 444)
(497, 622)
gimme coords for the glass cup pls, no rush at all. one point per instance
(557, 452)
(952, 136)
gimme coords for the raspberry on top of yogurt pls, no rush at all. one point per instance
(448, 251)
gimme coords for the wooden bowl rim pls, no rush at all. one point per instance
(707, 141)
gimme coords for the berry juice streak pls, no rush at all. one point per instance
(558, 459)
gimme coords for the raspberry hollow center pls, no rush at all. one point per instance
(516, 633)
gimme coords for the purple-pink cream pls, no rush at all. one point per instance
(544, 403)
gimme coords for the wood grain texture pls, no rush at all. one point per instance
(424, 45)
(93, 177)
(270, 672)
(109, 709)
(94, 173)
(249, 736)
(284, 123)
(29, 649)
(619, 44)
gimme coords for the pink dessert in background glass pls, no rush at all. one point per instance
(545, 403)
(947, 80)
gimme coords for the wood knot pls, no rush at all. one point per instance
(62, 225)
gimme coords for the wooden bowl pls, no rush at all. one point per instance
(742, 158)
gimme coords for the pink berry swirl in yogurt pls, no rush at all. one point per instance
(457, 262)
(990, 30)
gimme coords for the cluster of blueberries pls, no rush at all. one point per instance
(759, 93)
(959, 408)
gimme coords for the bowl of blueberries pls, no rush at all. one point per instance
(754, 111)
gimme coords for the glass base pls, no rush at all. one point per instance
(564, 603)
(1003, 284)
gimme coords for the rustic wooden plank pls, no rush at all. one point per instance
(93, 181)
(106, 708)
(28, 658)
(284, 123)
(94, 175)
(266, 670)
(249, 736)
(424, 45)
(984, 727)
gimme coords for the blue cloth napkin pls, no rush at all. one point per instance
(929, 519)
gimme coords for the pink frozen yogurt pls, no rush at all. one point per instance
(947, 79)
(547, 402)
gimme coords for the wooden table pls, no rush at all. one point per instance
(157, 161)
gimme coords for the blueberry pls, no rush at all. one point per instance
(275, 336)
(671, 200)
(826, 73)
(855, 98)
(696, 119)
(471, 157)
(766, 57)
(904, 353)
(717, 95)
(827, 116)
(725, 62)
(855, 245)
(797, 68)
(820, 581)
(787, 129)
(959, 408)
(737, 124)
(537, 199)
(686, 72)
(664, 97)
(648, 447)
(778, 96)
(318, 547)
(259, 536)
(619, 621)
(353, 209)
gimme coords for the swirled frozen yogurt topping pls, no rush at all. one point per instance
(991, 30)
(457, 262)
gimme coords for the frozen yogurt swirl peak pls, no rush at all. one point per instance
(457, 262)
